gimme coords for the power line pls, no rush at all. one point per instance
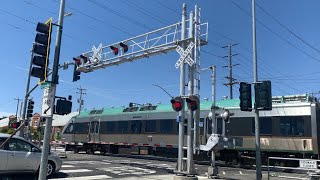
(301, 39)
(119, 14)
(168, 7)
(282, 38)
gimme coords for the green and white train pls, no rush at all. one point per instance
(290, 129)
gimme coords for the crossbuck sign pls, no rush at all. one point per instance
(185, 55)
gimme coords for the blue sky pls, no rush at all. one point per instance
(291, 65)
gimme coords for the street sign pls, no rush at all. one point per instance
(47, 101)
(308, 164)
(185, 56)
(97, 54)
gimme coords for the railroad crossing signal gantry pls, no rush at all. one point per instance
(152, 43)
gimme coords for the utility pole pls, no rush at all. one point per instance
(81, 92)
(255, 75)
(54, 82)
(213, 171)
(18, 100)
(230, 77)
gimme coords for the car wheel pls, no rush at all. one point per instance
(50, 168)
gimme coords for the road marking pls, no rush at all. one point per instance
(86, 177)
(240, 172)
(86, 162)
(223, 172)
(67, 166)
(126, 170)
(75, 170)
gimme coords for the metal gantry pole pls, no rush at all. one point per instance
(213, 169)
(182, 92)
(255, 74)
(21, 132)
(48, 127)
(190, 167)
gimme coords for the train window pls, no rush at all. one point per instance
(123, 127)
(135, 127)
(151, 126)
(111, 127)
(69, 129)
(265, 125)
(292, 126)
(166, 126)
(81, 128)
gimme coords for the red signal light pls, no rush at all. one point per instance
(125, 47)
(177, 103)
(115, 50)
(193, 102)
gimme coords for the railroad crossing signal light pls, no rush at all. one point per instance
(193, 102)
(41, 50)
(63, 107)
(84, 59)
(177, 103)
(15, 125)
(30, 108)
(263, 97)
(124, 46)
(115, 50)
(76, 74)
(245, 97)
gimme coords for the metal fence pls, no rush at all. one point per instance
(309, 167)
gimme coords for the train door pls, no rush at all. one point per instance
(94, 130)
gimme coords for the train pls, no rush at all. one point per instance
(290, 129)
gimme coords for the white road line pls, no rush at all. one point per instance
(86, 177)
(66, 166)
(240, 172)
(75, 170)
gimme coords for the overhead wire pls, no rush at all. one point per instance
(278, 35)
(290, 31)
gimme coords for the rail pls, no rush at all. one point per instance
(309, 165)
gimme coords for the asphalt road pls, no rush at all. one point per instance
(89, 167)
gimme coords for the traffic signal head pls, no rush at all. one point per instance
(76, 74)
(30, 108)
(15, 125)
(115, 50)
(193, 102)
(245, 97)
(63, 107)
(124, 47)
(41, 49)
(263, 97)
(177, 103)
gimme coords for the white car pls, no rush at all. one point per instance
(22, 156)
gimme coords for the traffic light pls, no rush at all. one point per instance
(76, 74)
(15, 125)
(193, 102)
(30, 108)
(115, 50)
(41, 50)
(245, 97)
(63, 107)
(263, 98)
(177, 103)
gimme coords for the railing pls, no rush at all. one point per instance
(311, 166)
